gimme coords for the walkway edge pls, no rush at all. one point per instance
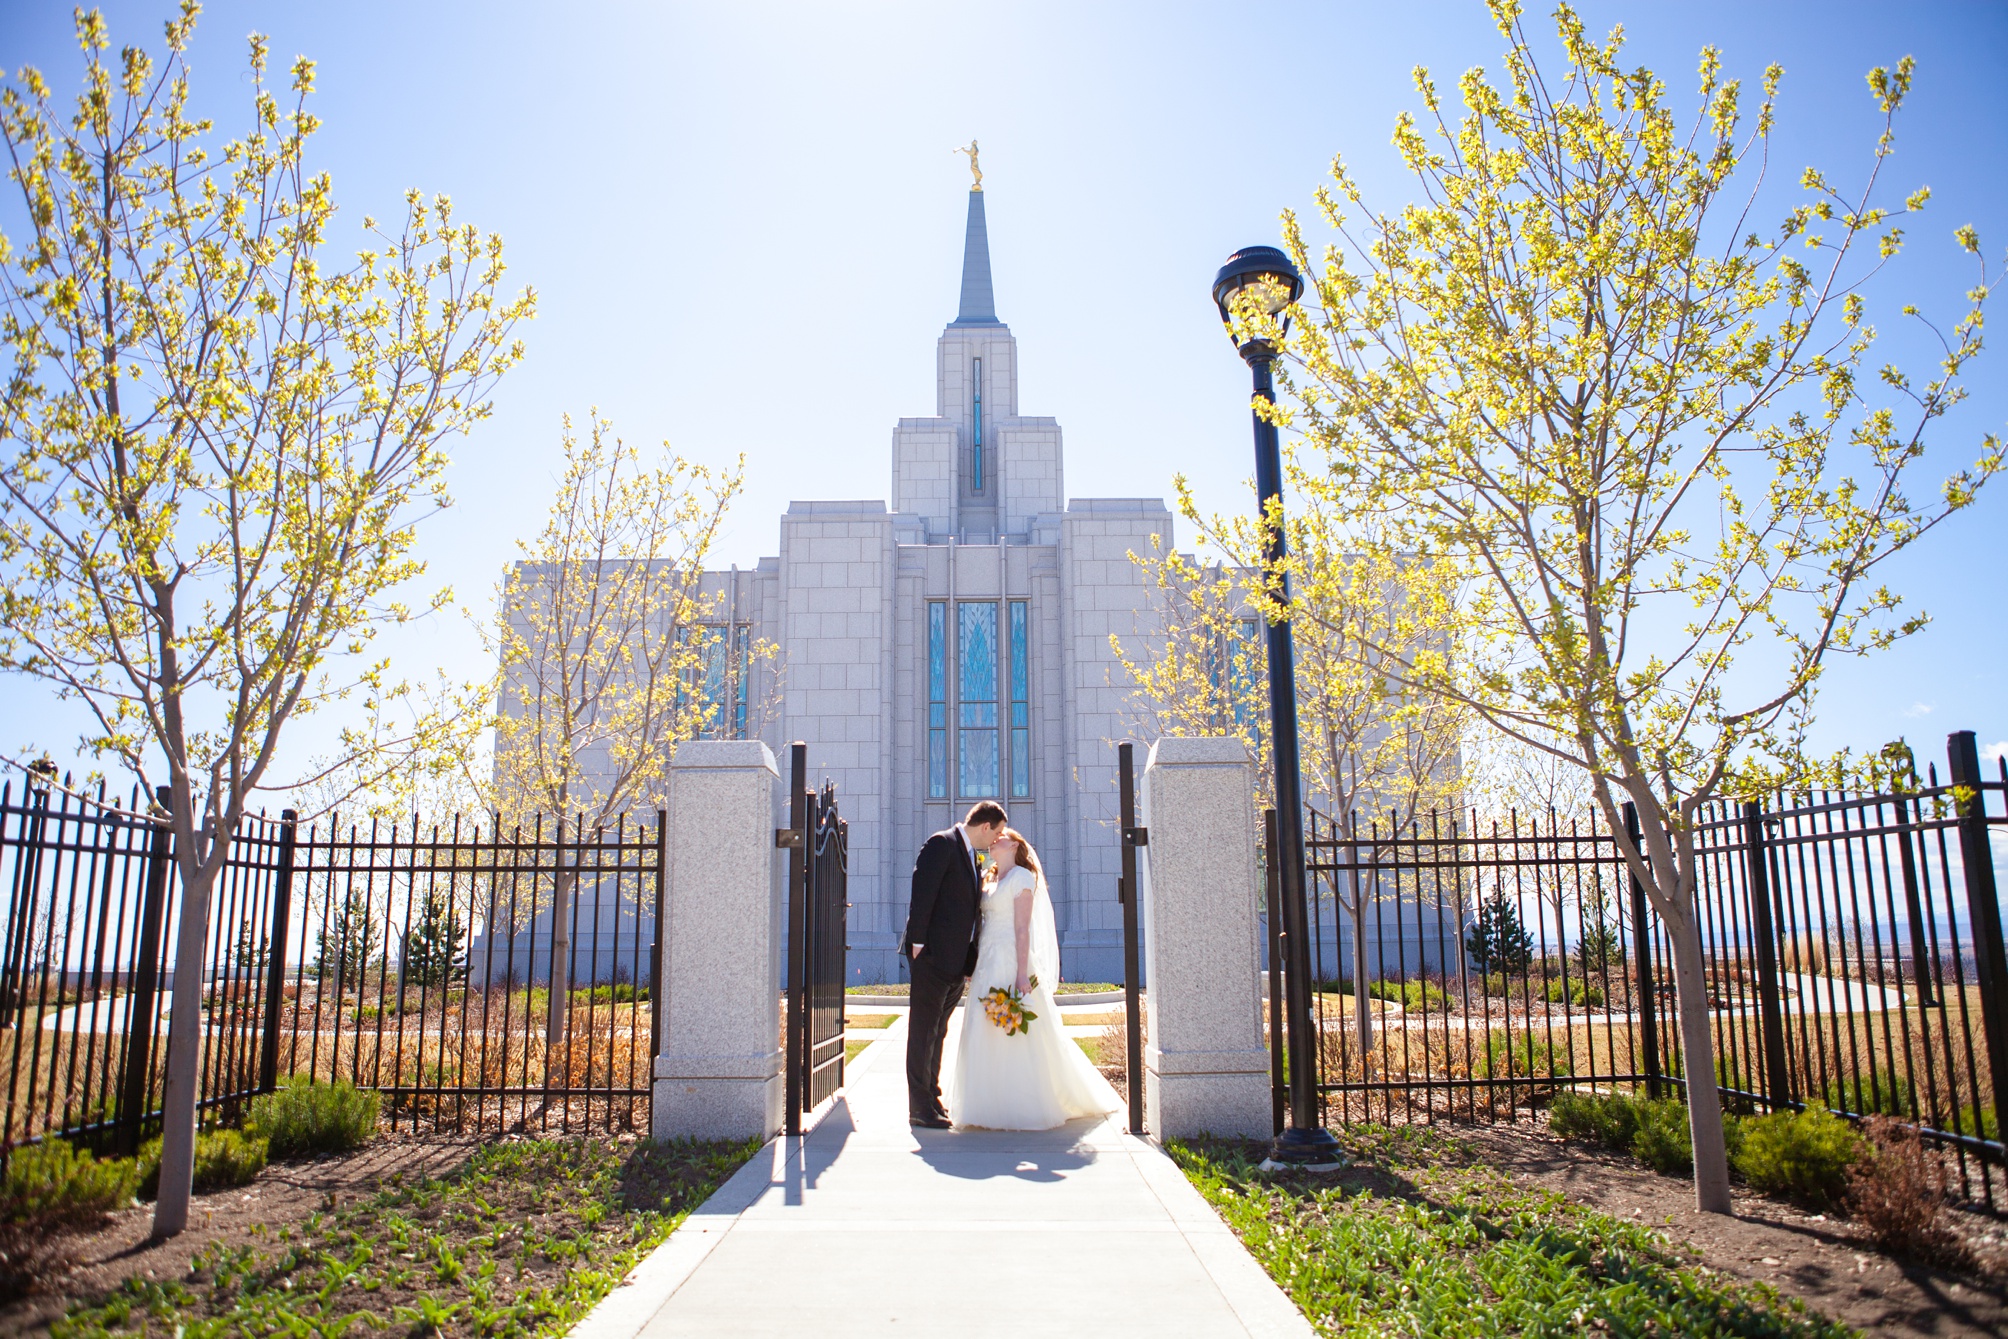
(1256, 1299)
(647, 1288)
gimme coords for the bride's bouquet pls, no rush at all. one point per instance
(1006, 1008)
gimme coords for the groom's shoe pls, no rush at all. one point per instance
(932, 1121)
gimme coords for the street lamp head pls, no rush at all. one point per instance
(1269, 271)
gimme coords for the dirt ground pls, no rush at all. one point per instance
(283, 1193)
(1809, 1256)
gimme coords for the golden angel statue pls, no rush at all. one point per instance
(974, 170)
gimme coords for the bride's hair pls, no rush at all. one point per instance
(1027, 857)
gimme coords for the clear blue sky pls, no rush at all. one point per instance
(744, 223)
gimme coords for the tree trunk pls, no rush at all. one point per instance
(1363, 1014)
(557, 1013)
(1697, 1049)
(184, 1055)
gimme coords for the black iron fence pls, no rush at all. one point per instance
(419, 960)
(1853, 950)
(412, 959)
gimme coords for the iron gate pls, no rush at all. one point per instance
(818, 884)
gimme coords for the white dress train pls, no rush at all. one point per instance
(1037, 1079)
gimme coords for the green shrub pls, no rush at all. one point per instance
(1610, 1120)
(1522, 1056)
(1653, 1130)
(1411, 995)
(223, 1158)
(1730, 1079)
(1804, 1154)
(1582, 994)
(1663, 1140)
(619, 992)
(305, 1117)
(1880, 1092)
(54, 1185)
(1973, 1119)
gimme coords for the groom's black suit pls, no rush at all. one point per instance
(942, 919)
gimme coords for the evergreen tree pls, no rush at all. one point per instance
(1498, 941)
(435, 948)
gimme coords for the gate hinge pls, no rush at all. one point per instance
(787, 838)
(1137, 836)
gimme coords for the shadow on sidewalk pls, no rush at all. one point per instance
(1028, 1155)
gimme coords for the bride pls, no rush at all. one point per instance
(1036, 1079)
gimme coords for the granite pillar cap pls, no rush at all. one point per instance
(723, 753)
(1215, 751)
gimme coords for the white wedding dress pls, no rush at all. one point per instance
(1037, 1079)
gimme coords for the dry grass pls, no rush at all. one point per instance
(1114, 1018)
(1111, 1050)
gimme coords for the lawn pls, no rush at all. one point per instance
(1411, 1242)
(855, 1022)
(521, 1240)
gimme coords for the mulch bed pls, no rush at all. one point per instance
(282, 1195)
(1817, 1258)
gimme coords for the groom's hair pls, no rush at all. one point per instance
(984, 814)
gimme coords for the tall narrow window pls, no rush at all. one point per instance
(1246, 689)
(937, 700)
(976, 691)
(719, 683)
(976, 377)
(1021, 707)
(742, 674)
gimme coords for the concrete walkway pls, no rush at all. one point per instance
(867, 1227)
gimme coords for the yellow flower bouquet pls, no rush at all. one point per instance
(1006, 1008)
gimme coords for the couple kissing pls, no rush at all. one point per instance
(988, 927)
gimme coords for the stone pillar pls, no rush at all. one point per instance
(718, 1074)
(1205, 1067)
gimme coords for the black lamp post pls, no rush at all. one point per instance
(1277, 285)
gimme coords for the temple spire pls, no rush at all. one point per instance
(979, 305)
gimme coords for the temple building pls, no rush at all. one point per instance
(949, 646)
(953, 645)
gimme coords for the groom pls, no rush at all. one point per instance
(940, 944)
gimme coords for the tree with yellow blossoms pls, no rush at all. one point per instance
(222, 436)
(603, 643)
(1640, 413)
(1376, 756)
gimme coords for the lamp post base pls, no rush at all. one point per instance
(1312, 1150)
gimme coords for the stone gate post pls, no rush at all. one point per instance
(718, 1071)
(1205, 1067)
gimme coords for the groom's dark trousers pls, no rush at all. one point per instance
(942, 919)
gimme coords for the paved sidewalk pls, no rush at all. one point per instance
(868, 1227)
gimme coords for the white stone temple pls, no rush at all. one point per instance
(953, 645)
(950, 646)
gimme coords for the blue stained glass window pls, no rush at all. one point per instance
(976, 685)
(937, 700)
(1245, 669)
(721, 681)
(742, 664)
(1021, 709)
